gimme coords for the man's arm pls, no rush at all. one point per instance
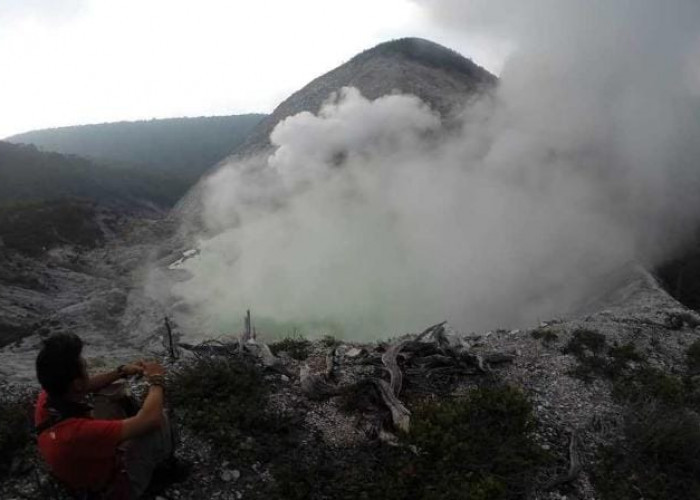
(150, 416)
(104, 379)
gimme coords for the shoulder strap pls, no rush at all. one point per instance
(60, 410)
(48, 423)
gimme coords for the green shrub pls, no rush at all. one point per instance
(658, 459)
(329, 341)
(32, 228)
(596, 358)
(648, 385)
(296, 346)
(678, 319)
(585, 343)
(588, 347)
(545, 334)
(659, 455)
(220, 399)
(621, 358)
(482, 443)
(15, 432)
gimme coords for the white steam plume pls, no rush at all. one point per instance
(373, 219)
(612, 79)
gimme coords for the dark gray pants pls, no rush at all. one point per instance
(143, 454)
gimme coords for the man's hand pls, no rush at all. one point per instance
(152, 368)
(103, 380)
(133, 368)
(150, 416)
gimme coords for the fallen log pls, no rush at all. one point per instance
(400, 415)
(210, 349)
(429, 355)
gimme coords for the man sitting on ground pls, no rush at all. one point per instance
(93, 456)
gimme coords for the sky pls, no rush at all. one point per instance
(71, 62)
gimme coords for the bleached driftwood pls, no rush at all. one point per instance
(432, 354)
(251, 347)
(389, 361)
(429, 356)
(400, 415)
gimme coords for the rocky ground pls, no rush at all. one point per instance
(634, 311)
(98, 293)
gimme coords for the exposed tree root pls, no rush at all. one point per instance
(575, 466)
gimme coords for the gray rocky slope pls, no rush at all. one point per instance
(634, 311)
(97, 293)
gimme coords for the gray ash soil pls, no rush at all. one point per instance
(315, 449)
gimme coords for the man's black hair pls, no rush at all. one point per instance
(58, 363)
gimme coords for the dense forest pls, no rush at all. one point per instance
(30, 175)
(181, 147)
(34, 227)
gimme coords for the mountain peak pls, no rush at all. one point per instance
(427, 53)
(439, 76)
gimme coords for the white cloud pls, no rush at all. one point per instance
(135, 59)
(40, 10)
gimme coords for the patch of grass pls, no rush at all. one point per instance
(15, 432)
(225, 402)
(296, 346)
(545, 334)
(329, 341)
(478, 447)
